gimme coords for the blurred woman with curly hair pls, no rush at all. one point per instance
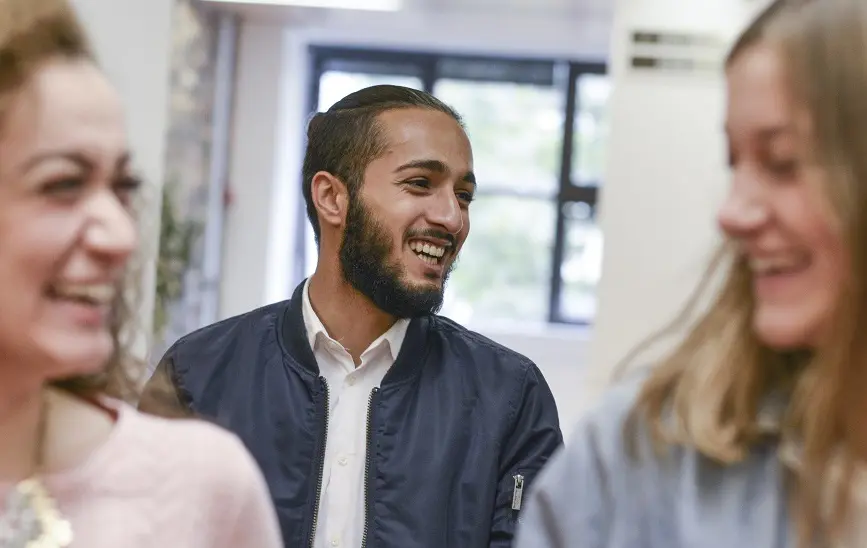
(79, 466)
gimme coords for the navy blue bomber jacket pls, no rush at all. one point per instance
(457, 431)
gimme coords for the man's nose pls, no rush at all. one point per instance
(445, 211)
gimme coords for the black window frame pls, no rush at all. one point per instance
(428, 67)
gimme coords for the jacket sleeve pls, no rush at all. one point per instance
(162, 394)
(535, 436)
(571, 504)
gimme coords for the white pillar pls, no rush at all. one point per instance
(133, 43)
(256, 241)
(667, 171)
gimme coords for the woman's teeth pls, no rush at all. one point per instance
(771, 266)
(97, 294)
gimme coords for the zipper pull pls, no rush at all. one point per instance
(518, 492)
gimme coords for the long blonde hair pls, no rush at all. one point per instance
(33, 32)
(708, 391)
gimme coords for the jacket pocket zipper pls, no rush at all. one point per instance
(367, 504)
(517, 492)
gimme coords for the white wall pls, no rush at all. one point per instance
(257, 146)
(666, 176)
(133, 40)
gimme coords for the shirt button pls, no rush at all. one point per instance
(343, 461)
(350, 381)
(335, 542)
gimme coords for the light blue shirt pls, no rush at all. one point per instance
(593, 494)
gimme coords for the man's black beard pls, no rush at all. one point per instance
(364, 259)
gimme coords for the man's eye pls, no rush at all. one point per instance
(420, 183)
(466, 197)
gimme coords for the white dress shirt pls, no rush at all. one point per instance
(341, 503)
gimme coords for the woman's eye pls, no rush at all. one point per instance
(126, 188)
(127, 185)
(64, 185)
(784, 168)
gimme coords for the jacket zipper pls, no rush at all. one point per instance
(517, 492)
(321, 463)
(367, 467)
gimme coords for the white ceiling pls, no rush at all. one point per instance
(533, 8)
(520, 27)
(536, 7)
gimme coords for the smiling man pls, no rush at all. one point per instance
(377, 423)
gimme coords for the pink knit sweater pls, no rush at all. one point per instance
(160, 483)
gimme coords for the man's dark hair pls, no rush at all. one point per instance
(348, 136)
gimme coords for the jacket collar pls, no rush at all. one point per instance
(296, 342)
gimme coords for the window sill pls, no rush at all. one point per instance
(535, 330)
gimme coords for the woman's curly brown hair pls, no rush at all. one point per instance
(33, 32)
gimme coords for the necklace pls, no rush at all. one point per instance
(30, 518)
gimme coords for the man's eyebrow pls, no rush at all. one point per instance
(435, 166)
(429, 165)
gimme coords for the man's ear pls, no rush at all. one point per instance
(330, 197)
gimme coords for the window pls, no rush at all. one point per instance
(534, 252)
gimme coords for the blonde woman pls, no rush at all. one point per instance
(79, 466)
(753, 431)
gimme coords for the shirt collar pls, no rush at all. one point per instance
(394, 337)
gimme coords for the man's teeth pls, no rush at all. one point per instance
(428, 251)
(93, 293)
(765, 266)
